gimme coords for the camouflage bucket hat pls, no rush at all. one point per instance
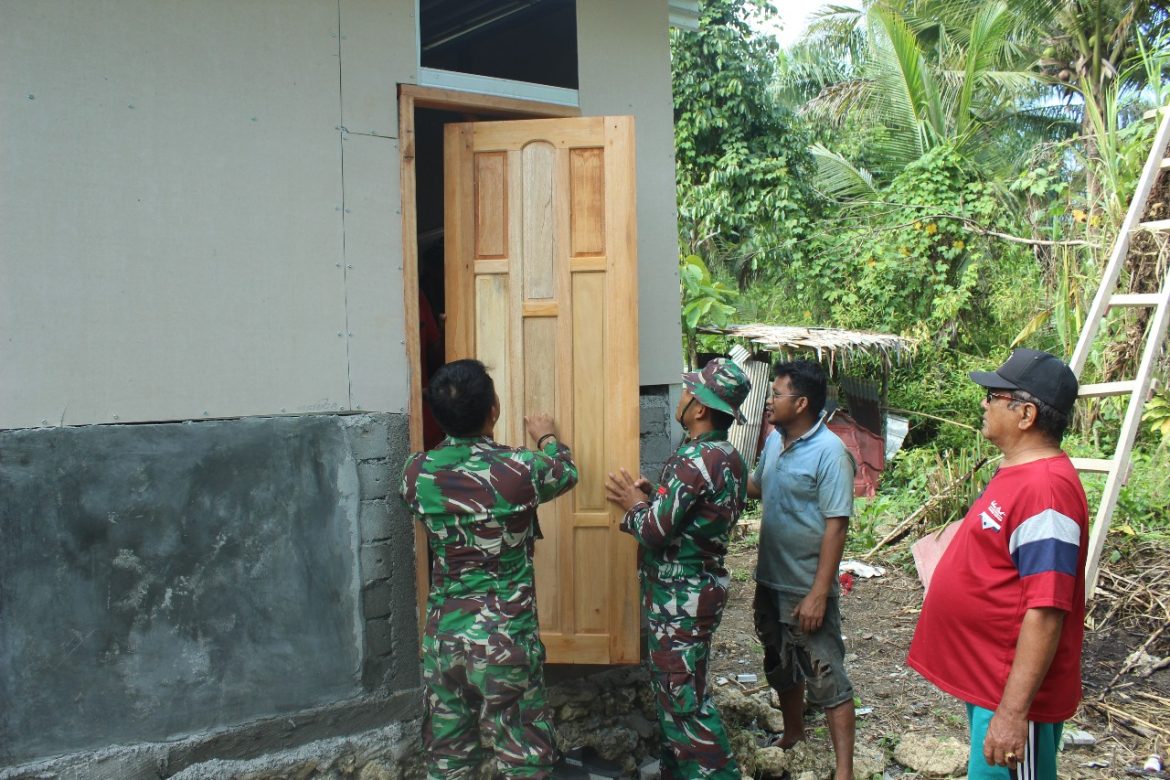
(721, 385)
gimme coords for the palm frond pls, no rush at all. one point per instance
(838, 178)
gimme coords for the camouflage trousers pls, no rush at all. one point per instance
(694, 740)
(465, 695)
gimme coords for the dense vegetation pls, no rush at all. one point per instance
(954, 171)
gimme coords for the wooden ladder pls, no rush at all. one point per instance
(1118, 467)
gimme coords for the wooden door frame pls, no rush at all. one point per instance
(410, 97)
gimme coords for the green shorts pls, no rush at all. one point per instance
(1038, 761)
(792, 656)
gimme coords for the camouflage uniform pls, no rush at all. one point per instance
(683, 536)
(481, 646)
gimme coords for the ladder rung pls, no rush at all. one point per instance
(1097, 465)
(1105, 389)
(1156, 226)
(1136, 299)
(1165, 163)
(1153, 112)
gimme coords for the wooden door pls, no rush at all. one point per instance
(541, 284)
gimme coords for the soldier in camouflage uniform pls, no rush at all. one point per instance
(683, 527)
(482, 654)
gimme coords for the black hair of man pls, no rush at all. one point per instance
(1049, 421)
(808, 379)
(721, 421)
(461, 394)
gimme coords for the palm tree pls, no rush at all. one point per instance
(928, 74)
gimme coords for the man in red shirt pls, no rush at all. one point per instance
(1003, 620)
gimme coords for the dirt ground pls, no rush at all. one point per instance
(1130, 719)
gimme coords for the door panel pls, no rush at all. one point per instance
(542, 287)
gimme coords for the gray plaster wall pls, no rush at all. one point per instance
(204, 586)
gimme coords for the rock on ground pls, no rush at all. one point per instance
(931, 756)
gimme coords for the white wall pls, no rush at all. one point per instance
(171, 178)
(201, 207)
(624, 55)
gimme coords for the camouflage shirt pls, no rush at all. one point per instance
(684, 533)
(477, 500)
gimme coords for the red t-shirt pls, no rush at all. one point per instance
(1022, 545)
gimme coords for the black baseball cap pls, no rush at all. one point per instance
(1045, 376)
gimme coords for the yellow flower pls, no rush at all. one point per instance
(931, 229)
(959, 244)
(1079, 215)
(904, 251)
(1095, 220)
(917, 225)
(871, 262)
(807, 314)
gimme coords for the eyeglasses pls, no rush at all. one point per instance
(992, 395)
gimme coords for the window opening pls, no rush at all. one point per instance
(533, 41)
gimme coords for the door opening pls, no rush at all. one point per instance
(422, 114)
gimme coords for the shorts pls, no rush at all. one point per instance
(1038, 761)
(791, 656)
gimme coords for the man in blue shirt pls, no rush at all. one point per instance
(805, 478)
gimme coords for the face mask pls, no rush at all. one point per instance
(683, 413)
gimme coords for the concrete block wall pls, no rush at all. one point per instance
(657, 429)
(180, 593)
(380, 444)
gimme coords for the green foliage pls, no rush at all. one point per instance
(966, 208)
(913, 260)
(744, 173)
(705, 301)
(1157, 416)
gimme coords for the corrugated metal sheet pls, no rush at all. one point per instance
(746, 438)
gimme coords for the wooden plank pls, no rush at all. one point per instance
(1135, 299)
(538, 163)
(485, 105)
(587, 263)
(587, 201)
(407, 172)
(1093, 465)
(592, 520)
(1106, 389)
(491, 136)
(1155, 226)
(491, 205)
(591, 602)
(581, 648)
(540, 394)
(563, 281)
(458, 246)
(622, 339)
(590, 390)
(492, 267)
(542, 309)
(492, 347)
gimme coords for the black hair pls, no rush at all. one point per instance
(808, 379)
(721, 420)
(461, 394)
(1050, 421)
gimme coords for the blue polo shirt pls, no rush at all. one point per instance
(800, 486)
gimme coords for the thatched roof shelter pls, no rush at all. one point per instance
(834, 343)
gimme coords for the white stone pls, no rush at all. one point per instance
(931, 756)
